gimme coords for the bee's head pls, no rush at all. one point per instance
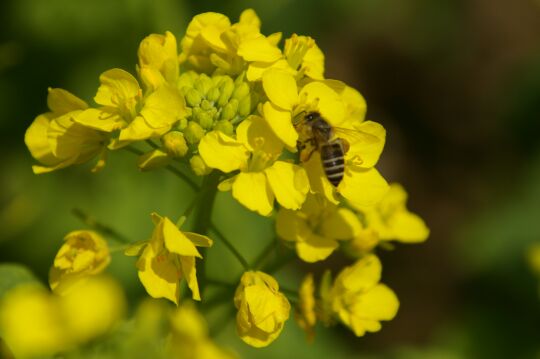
(311, 116)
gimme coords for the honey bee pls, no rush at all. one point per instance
(322, 137)
(332, 149)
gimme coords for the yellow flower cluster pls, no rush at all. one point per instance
(34, 322)
(265, 122)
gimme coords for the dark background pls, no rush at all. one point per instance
(456, 83)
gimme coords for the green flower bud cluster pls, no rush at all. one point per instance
(216, 102)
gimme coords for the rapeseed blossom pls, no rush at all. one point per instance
(83, 254)
(359, 300)
(262, 309)
(167, 258)
(229, 104)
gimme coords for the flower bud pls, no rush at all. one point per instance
(193, 98)
(204, 118)
(203, 84)
(262, 309)
(186, 79)
(244, 107)
(206, 105)
(213, 94)
(224, 126)
(241, 91)
(175, 143)
(84, 253)
(226, 89)
(193, 132)
(229, 110)
(198, 166)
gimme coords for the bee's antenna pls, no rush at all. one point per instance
(298, 115)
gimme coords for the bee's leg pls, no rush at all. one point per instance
(345, 145)
(305, 158)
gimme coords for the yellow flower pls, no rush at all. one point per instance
(305, 314)
(124, 108)
(362, 184)
(168, 258)
(30, 324)
(301, 56)
(262, 177)
(158, 60)
(84, 253)
(317, 227)
(190, 338)
(262, 309)
(92, 309)
(56, 141)
(359, 300)
(390, 220)
(212, 42)
(36, 323)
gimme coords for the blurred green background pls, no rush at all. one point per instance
(456, 83)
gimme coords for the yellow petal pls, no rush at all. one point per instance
(315, 248)
(199, 240)
(61, 101)
(313, 63)
(190, 274)
(290, 226)
(256, 69)
(252, 190)
(36, 140)
(139, 130)
(330, 105)
(289, 183)
(281, 123)
(368, 148)
(159, 276)
(117, 86)
(222, 152)
(152, 160)
(103, 120)
(176, 241)
(255, 134)
(280, 87)
(362, 276)
(341, 224)
(380, 303)
(363, 187)
(259, 49)
(249, 17)
(408, 227)
(163, 107)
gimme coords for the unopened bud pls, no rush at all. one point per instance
(244, 107)
(175, 143)
(226, 89)
(193, 98)
(205, 119)
(203, 84)
(229, 111)
(198, 166)
(241, 91)
(206, 105)
(224, 126)
(213, 94)
(193, 132)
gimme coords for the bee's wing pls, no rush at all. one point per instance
(353, 135)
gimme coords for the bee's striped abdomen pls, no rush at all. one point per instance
(332, 162)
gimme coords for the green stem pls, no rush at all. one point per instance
(152, 144)
(102, 228)
(202, 214)
(279, 263)
(170, 168)
(263, 257)
(230, 247)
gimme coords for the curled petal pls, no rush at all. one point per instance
(252, 190)
(289, 183)
(223, 152)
